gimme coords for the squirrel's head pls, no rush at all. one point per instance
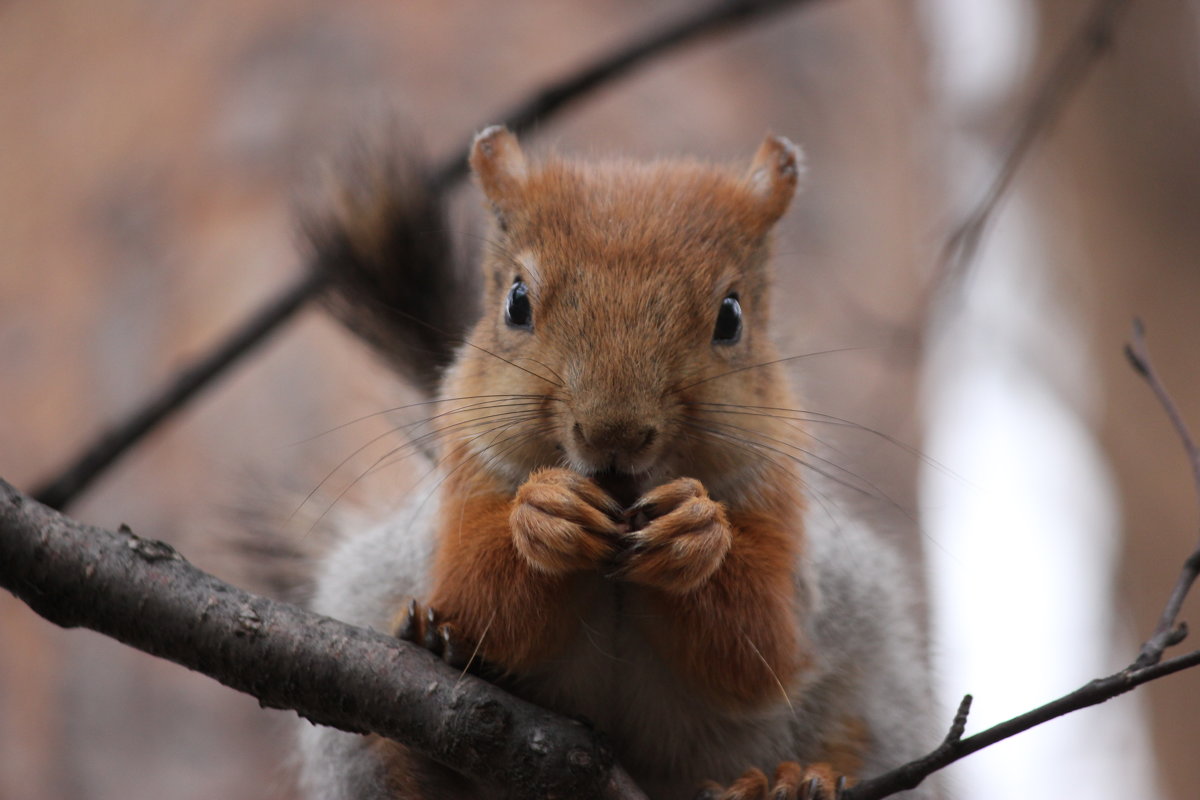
(625, 310)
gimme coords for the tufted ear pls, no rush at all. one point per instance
(499, 165)
(773, 177)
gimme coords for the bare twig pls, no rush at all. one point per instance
(1139, 358)
(1090, 40)
(952, 749)
(143, 593)
(1146, 667)
(112, 443)
(1167, 633)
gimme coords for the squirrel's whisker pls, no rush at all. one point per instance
(395, 409)
(762, 364)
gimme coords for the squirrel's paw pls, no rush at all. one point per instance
(683, 540)
(792, 782)
(562, 522)
(427, 628)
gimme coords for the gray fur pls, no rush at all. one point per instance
(364, 582)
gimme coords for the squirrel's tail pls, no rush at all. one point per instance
(380, 235)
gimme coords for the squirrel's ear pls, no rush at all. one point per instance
(773, 177)
(499, 164)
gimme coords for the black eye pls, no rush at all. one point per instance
(517, 311)
(729, 321)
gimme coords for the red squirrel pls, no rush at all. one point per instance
(622, 527)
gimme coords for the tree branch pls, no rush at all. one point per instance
(954, 748)
(60, 491)
(1167, 633)
(143, 593)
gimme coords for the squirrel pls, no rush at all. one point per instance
(623, 528)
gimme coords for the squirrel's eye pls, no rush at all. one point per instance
(729, 321)
(517, 311)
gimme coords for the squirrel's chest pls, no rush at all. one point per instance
(612, 674)
(607, 661)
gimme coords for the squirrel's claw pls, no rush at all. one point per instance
(407, 624)
(421, 626)
(431, 641)
(792, 782)
(426, 628)
(682, 544)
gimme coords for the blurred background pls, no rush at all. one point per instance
(150, 154)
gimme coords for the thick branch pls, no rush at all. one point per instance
(143, 593)
(60, 491)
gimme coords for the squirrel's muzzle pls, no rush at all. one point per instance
(614, 443)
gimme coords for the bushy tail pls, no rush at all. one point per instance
(380, 234)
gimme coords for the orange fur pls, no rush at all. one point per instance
(626, 266)
(735, 637)
(483, 584)
(408, 776)
(844, 750)
(701, 231)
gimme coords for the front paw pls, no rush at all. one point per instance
(685, 537)
(563, 522)
(792, 782)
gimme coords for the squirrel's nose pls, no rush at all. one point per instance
(612, 440)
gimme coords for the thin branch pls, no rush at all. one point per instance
(60, 491)
(1146, 667)
(1139, 358)
(143, 593)
(1093, 693)
(1091, 40)
(1167, 633)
